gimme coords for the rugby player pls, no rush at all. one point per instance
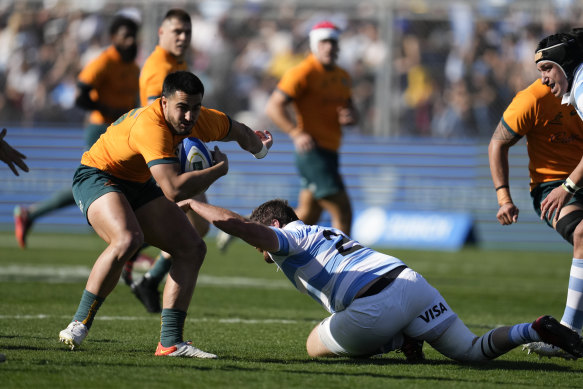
(377, 303)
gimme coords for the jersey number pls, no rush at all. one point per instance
(341, 244)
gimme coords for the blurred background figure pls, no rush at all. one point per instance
(108, 88)
(320, 93)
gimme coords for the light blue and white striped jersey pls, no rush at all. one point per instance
(575, 96)
(326, 264)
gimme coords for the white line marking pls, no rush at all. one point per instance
(232, 320)
(67, 274)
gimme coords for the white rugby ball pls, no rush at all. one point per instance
(193, 155)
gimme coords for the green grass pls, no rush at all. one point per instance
(259, 331)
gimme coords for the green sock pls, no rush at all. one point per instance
(172, 327)
(157, 273)
(88, 307)
(59, 200)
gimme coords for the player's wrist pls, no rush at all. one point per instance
(261, 153)
(503, 195)
(569, 186)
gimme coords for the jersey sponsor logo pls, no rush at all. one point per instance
(557, 119)
(563, 137)
(433, 313)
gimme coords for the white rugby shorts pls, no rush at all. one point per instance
(375, 324)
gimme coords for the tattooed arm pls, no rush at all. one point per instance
(501, 141)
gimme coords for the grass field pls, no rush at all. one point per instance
(248, 314)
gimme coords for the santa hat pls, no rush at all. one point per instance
(323, 31)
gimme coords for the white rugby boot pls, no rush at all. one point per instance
(74, 334)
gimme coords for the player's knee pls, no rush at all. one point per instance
(578, 234)
(193, 250)
(127, 244)
(315, 347)
(568, 226)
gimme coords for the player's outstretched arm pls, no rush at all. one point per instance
(255, 234)
(257, 143)
(11, 156)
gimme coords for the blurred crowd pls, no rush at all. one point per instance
(452, 66)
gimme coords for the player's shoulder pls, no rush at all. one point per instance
(302, 68)
(535, 95)
(156, 59)
(537, 90)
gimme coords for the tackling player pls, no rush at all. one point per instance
(377, 303)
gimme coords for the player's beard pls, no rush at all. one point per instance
(129, 54)
(180, 129)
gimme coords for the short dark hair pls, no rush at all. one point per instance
(182, 81)
(277, 209)
(122, 21)
(177, 13)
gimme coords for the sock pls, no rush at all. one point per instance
(88, 307)
(172, 327)
(157, 273)
(573, 315)
(485, 345)
(59, 200)
(522, 334)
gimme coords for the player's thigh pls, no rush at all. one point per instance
(166, 226)
(366, 327)
(308, 209)
(426, 308)
(112, 218)
(337, 204)
(370, 324)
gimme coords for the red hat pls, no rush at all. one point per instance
(323, 31)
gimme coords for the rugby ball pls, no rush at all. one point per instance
(193, 155)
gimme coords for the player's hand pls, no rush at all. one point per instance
(507, 214)
(346, 116)
(266, 138)
(220, 158)
(554, 202)
(185, 204)
(303, 142)
(11, 156)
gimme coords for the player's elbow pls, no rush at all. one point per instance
(174, 194)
